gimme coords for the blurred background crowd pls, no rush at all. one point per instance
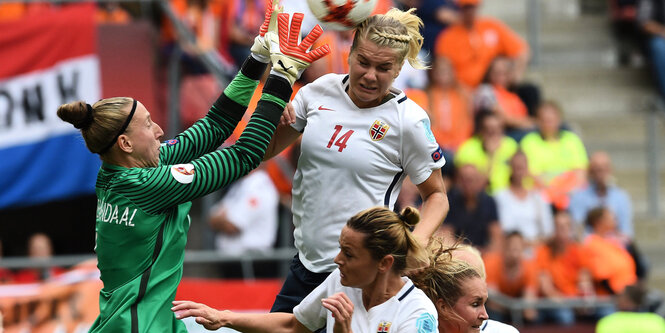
(542, 108)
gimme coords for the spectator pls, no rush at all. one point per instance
(448, 104)
(521, 208)
(40, 249)
(473, 42)
(630, 319)
(489, 150)
(245, 18)
(246, 218)
(601, 191)
(627, 33)
(511, 274)
(561, 270)
(611, 265)
(472, 212)
(557, 157)
(437, 15)
(199, 88)
(651, 17)
(494, 95)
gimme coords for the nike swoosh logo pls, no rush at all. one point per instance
(279, 62)
(325, 109)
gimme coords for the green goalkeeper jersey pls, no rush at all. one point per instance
(142, 213)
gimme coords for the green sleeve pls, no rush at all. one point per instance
(163, 187)
(208, 133)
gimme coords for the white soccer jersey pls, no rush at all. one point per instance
(493, 326)
(408, 311)
(352, 159)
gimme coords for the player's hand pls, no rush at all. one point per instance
(210, 318)
(288, 116)
(290, 57)
(261, 48)
(342, 310)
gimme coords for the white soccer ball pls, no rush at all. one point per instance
(341, 14)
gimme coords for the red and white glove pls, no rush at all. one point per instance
(261, 48)
(288, 55)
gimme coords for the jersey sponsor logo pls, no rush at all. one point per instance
(325, 109)
(428, 130)
(171, 142)
(183, 173)
(437, 154)
(378, 130)
(384, 327)
(425, 323)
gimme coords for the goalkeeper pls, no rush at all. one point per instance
(144, 188)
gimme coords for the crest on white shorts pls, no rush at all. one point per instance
(378, 130)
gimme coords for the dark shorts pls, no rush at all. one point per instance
(298, 284)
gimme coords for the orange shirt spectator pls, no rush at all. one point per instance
(510, 103)
(609, 261)
(448, 105)
(450, 113)
(513, 286)
(473, 43)
(564, 268)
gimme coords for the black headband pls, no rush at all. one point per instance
(88, 118)
(122, 129)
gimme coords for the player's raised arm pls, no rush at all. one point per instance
(210, 132)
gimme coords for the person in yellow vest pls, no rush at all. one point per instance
(489, 150)
(557, 157)
(629, 319)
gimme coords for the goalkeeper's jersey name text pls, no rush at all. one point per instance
(113, 214)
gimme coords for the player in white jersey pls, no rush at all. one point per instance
(455, 282)
(366, 294)
(360, 139)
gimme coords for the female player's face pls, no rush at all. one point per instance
(469, 312)
(372, 69)
(145, 136)
(356, 266)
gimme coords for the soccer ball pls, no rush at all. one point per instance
(341, 14)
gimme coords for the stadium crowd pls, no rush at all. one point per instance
(545, 213)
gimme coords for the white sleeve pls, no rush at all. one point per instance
(310, 312)
(420, 152)
(300, 107)
(419, 320)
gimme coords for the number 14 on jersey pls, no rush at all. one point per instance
(341, 142)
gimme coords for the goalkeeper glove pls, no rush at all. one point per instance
(261, 48)
(290, 57)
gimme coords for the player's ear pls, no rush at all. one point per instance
(386, 263)
(125, 143)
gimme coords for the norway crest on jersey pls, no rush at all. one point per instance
(384, 327)
(378, 130)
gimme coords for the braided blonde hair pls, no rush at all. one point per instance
(399, 30)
